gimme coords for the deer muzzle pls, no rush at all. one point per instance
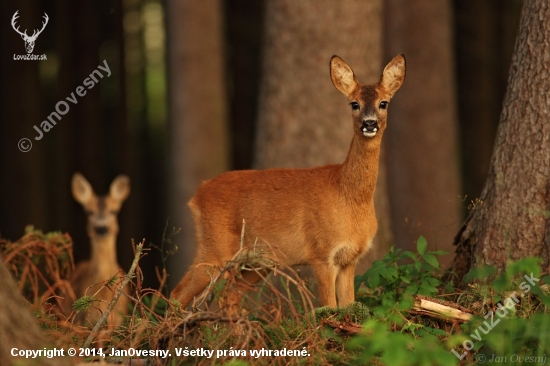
(101, 230)
(369, 128)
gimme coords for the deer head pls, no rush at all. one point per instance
(29, 40)
(101, 210)
(369, 103)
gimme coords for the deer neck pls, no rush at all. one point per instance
(359, 171)
(103, 261)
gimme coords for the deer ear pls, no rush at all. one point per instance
(81, 189)
(120, 188)
(393, 75)
(342, 76)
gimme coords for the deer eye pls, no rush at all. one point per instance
(354, 106)
(383, 105)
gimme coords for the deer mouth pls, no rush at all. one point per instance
(369, 128)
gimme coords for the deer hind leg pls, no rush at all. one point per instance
(193, 283)
(326, 276)
(345, 286)
(232, 300)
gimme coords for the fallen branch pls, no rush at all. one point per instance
(120, 289)
(445, 310)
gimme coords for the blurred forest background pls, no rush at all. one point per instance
(201, 87)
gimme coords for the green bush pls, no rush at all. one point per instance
(512, 325)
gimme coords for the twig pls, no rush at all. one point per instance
(213, 279)
(120, 289)
(242, 235)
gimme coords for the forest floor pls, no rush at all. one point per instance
(408, 311)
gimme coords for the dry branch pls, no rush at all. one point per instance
(440, 309)
(120, 289)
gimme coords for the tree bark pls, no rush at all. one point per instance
(511, 219)
(198, 116)
(421, 141)
(303, 121)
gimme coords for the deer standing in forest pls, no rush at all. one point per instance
(90, 276)
(322, 216)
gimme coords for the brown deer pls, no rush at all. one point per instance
(89, 276)
(322, 216)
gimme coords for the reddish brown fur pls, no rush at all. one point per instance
(89, 276)
(322, 216)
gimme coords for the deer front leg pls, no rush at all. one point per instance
(344, 285)
(326, 277)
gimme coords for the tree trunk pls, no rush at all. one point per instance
(511, 219)
(199, 147)
(421, 141)
(18, 328)
(303, 121)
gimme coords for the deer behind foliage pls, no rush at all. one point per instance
(90, 276)
(322, 216)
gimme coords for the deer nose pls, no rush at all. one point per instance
(101, 230)
(370, 125)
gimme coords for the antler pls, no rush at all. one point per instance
(15, 16)
(43, 26)
(24, 34)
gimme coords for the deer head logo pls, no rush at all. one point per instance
(29, 40)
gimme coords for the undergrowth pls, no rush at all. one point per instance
(508, 312)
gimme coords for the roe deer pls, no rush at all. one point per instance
(89, 276)
(322, 216)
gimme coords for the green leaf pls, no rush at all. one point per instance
(479, 273)
(525, 265)
(536, 290)
(357, 280)
(405, 279)
(412, 290)
(374, 280)
(389, 273)
(406, 303)
(427, 289)
(435, 331)
(406, 255)
(431, 260)
(501, 282)
(433, 281)
(449, 287)
(422, 245)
